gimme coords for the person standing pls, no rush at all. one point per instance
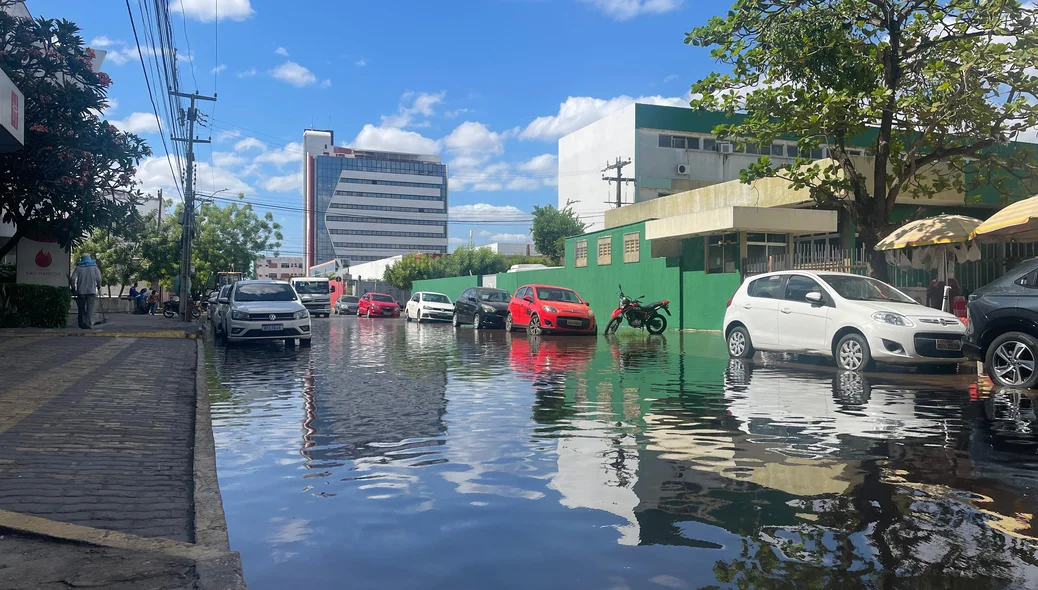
(86, 282)
(153, 301)
(133, 292)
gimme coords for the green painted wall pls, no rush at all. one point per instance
(450, 286)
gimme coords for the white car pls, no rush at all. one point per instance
(854, 319)
(424, 305)
(264, 310)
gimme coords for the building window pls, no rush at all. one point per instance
(665, 141)
(760, 246)
(605, 251)
(632, 247)
(710, 144)
(778, 149)
(284, 265)
(722, 253)
(580, 253)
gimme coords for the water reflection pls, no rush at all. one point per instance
(630, 461)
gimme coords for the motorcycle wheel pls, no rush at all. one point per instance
(168, 312)
(612, 326)
(656, 324)
(195, 314)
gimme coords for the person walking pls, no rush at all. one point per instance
(86, 282)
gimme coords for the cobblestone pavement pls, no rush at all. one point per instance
(99, 432)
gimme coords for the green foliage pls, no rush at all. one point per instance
(465, 261)
(75, 171)
(118, 254)
(551, 227)
(938, 91)
(39, 306)
(7, 273)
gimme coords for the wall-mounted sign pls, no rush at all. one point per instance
(42, 263)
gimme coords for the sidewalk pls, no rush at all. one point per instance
(107, 467)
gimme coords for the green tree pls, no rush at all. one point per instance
(939, 89)
(409, 269)
(118, 256)
(75, 171)
(551, 227)
(469, 261)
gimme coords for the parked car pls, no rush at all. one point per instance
(378, 305)
(217, 309)
(264, 310)
(1002, 326)
(547, 309)
(854, 319)
(425, 305)
(347, 304)
(483, 307)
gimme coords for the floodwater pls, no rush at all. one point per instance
(395, 455)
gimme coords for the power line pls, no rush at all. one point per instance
(619, 179)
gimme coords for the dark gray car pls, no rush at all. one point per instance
(483, 307)
(347, 304)
(1002, 327)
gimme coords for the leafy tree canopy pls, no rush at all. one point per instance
(465, 261)
(551, 227)
(75, 171)
(938, 89)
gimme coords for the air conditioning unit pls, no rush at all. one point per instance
(725, 148)
(682, 169)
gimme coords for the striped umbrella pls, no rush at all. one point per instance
(942, 229)
(1018, 222)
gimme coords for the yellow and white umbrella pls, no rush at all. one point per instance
(932, 231)
(1018, 221)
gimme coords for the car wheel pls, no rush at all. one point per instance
(477, 320)
(739, 344)
(369, 313)
(1011, 360)
(509, 324)
(290, 342)
(304, 342)
(853, 353)
(534, 329)
(407, 315)
(455, 320)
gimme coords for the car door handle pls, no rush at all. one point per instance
(747, 306)
(787, 310)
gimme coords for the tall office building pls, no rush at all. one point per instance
(364, 205)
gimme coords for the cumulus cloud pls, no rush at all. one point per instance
(206, 10)
(577, 111)
(247, 73)
(542, 164)
(360, 63)
(116, 52)
(250, 143)
(284, 184)
(472, 137)
(227, 159)
(291, 153)
(411, 105)
(225, 135)
(281, 51)
(482, 211)
(154, 173)
(103, 42)
(394, 139)
(627, 9)
(294, 74)
(219, 68)
(137, 123)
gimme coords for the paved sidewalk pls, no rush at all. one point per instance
(116, 324)
(100, 461)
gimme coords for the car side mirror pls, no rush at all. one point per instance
(224, 300)
(814, 298)
(527, 298)
(587, 303)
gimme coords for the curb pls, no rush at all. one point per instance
(176, 334)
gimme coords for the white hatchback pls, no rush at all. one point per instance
(424, 305)
(855, 320)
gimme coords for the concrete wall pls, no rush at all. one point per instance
(583, 153)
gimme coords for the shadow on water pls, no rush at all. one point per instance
(395, 455)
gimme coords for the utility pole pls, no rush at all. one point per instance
(618, 179)
(189, 203)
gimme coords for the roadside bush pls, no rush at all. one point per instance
(39, 306)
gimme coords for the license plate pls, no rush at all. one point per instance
(273, 327)
(949, 345)
(577, 323)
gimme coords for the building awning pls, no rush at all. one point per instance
(666, 234)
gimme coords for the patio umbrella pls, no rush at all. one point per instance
(942, 229)
(1018, 221)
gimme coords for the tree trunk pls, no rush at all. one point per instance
(11, 243)
(878, 262)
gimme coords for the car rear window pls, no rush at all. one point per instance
(767, 287)
(383, 298)
(265, 292)
(350, 299)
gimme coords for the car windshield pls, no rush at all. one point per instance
(553, 294)
(312, 287)
(435, 298)
(383, 298)
(265, 292)
(865, 289)
(350, 299)
(495, 296)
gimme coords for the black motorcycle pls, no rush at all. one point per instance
(638, 314)
(172, 309)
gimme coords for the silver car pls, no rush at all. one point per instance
(264, 310)
(347, 304)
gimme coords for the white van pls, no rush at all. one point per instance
(315, 294)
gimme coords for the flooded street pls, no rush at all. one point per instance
(395, 455)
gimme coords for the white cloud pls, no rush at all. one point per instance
(472, 138)
(411, 104)
(494, 177)
(394, 140)
(294, 74)
(284, 184)
(227, 159)
(137, 123)
(119, 57)
(227, 135)
(628, 9)
(102, 42)
(250, 143)
(219, 68)
(247, 73)
(577, 111)
(455, 113)
(206, 10)
(281, 51)
(457, 241)
(326, 83)
(112, 105)
(670, 78)
(484, 233)
(154, 172)
(360, 63)
(291, 153)
(483, 211)
(513, 238)
(542, 164)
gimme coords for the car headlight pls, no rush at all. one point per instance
(239, 315)
(590, 313)
(549, 309)
(487, 308)
(302, 314)
(894, 319)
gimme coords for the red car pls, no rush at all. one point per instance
(546, 309)
(378, 305)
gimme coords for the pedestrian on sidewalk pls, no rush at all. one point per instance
(133, 292)
(86, 282)
(153, 301)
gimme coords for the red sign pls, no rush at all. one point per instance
(43, 258)
(14, 109)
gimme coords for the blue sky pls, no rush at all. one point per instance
(488, 84)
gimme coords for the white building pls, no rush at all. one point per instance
(513, 249)
(363, 205)
(282, 268)
(671, 150)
